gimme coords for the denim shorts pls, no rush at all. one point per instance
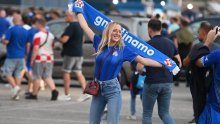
(14, 67)
(72, 64)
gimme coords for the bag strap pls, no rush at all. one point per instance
(100, 68)
(45, 40)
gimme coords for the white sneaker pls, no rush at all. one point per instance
(83, 97)
(15, 92)
(64, 98)
(104, 114)
(131, 117)
(17, 98)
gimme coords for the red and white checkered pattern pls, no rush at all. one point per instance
(44, 58)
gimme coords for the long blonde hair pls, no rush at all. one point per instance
(106, 38)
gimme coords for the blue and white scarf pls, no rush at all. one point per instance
(99, 21)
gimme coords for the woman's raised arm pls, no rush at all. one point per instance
(85, 26)
(78, 9)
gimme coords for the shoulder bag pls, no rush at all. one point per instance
(45, 40)
(93, 87)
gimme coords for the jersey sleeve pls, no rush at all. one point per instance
(211, 58)
(30, 36)
(36, 41)
(96, 41)
(8, 34)
(128, 54)
(69, 31)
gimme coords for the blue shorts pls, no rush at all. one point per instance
(14, 67)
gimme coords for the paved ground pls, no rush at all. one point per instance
(44, 111)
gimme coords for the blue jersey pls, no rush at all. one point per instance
(213, 59)
(209, 60)
(113, 63)
(31, 34)
(17, 37)
(4, 25)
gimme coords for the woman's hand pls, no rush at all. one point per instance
(31, 63)
(77, 6)
(78, 9)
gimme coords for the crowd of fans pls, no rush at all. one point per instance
(32, 12)
(33, 21)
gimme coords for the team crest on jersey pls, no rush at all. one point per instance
(168, 62)
(115, 53)
(206, 58)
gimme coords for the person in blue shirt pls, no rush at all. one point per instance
(31, 32)
(135, 90)
(4, 24)
(211, 112)
(14, 65)
(110, 55)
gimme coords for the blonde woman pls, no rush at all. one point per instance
(110, 55)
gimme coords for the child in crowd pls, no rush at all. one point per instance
(134, 90)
